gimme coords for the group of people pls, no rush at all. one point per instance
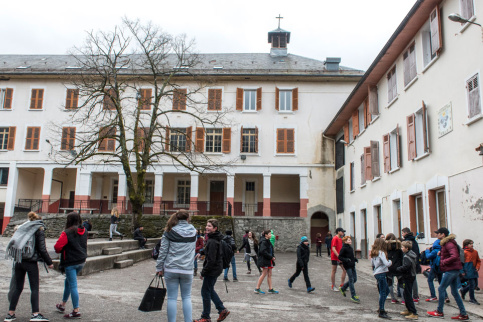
(27, 247)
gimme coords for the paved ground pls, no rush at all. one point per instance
(114, 295)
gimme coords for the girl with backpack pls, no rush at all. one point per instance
(250, 244)
(26, 248)
(266, 262)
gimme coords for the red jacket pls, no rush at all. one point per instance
(450, 256)
(199, 244)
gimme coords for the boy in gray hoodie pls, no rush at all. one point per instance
(408, 272)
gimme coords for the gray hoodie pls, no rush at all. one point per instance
(177, 251)
(381, 264)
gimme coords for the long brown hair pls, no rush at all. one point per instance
(175, 218)
(255, 240)
(379, 245)
(390, 239)
(115, 212)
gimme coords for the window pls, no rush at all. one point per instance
(109, 99)
(6, 95)
(249, 140)
(285, 140)
(183, 193)
(441, 208)
(3, 176)
(437, 209)
(391, 150)
(362, 118)
(355, 123)
(149, 192)
(352, 177)
(391, 85)
(409, 63)
(377, 212)
(4, 133)
(179, 99)
(248, 99)
(467, 9)
(68, 139)
(213, 140)
(372, 103)
(418, 141)
(33, 138)
(474, 99)
(72, 99)
(432, 37)
(339, 154)
(115, 190)
(107, 139)
(36, 99)
(419, 214)
(363, 170)
(339, 194)
(145, 99)
(177, 139)
(214, 99)
(141, 134)
(250, 186)
(286, 100)
(371, 160)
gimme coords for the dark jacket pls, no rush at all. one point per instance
(72, 246)
(410, 237)
(408, 268)
(213, 264)
(138, 234)
(395, 255)
(40, 253)
(303, 255)
(346, 256)
(328, 241)
(87, 225)
(432, 255)
(247, 247)
(450, 256)
(230, 241)
(265, 253)
(114, 219)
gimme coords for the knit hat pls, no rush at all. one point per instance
(304, 239)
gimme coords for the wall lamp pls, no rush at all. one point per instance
(480, 148)
(457, 18)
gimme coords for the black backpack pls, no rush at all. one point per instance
(423, 260)
(226, 252)
(155, 252)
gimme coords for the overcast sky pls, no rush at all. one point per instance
(355, 30)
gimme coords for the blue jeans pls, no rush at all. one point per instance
(352, 275)
(184, 282)
(383, 289)
(471, 288)
(208, 294)
(432, 274)
(196, 262)
(451, 279)
(233, 265)
(70, 284)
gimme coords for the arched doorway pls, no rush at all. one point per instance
(319, 223)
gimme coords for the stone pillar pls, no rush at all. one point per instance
(195, 180)
(83, 188)
(266, 194)
(304, 199)
(47, 188)
(158, 193)
(122, 193)
(11, 194)
(230, 193)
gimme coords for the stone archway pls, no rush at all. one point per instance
(319, 223)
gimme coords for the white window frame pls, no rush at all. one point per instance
(176, 185)
(256, 139)
(351, 133)
(438, 215)
(152, 190)
(214, 134)
(389, 80)
(285, 91)
(111, 191)
(251, 108)
(41, 137)
(478, 115)
(171, 132)
(473, 16)
(412, 78)
(8, 134)
(418, 126)
(393, 151)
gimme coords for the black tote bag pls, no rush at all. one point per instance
(154, 297)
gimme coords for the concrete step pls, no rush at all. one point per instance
(123, 263)
(112, 251)
(149, 245)
(95, 247)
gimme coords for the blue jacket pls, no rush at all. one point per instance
(432, 255)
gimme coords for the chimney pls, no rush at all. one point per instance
(332, 64)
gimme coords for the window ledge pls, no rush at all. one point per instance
(285, 155)
(376, 179)
(352, 191)
(213, 153)
(36, 110)
(394, 170)
(250, 154)
(286, 112)
(3, 186)
(374, 119)
(214, 111)
(422, 156)
(360, 133)
(252, 112)
(411, 83)
(5, 109)
(363, 186)
(466, 25)
(430, 63)
(392, 102)
(474, 119)
(31, 150)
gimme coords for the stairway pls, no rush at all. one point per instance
(104, 255)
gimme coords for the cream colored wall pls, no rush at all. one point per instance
(285, 189)
(30, 184)
(3, 194)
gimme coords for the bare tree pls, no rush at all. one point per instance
(126, 88)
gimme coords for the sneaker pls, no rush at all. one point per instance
(335, 289)
(342, 291)
(474, 302)
(259, 291)
(9, 318)
(405, 313)
(310, 289)
(272, 291)
(403, 303)
(73, 315)
(412, 316)
(477, 289)
(289, 283)
(249, 272)
(383, 315)
(38, 317)
(60, 308)
(202, 320)
(223, 315)
(416, 301)
(235, 280)
(122, 236)
(432, 299)
(435, 314)
(460, 317)
(226, 279)
(394, 302)
(355, 299)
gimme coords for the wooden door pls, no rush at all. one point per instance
(71, 199)
(217, 198)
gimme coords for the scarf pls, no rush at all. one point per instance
(23, 240)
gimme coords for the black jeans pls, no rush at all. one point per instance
(305, 270)
(408, 294)
(328, 251)
(32, 269)
(208, 294)
(141, 241)
(255, 259)
(318, 250)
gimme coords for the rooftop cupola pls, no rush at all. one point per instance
(279, 39)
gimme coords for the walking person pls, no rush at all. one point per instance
(432, 253)
(328, 242)
(72, 246)
(266, 262)
(302, 264)
(198, 249)
(175, 263)
(230, 241)
(336, 246)
(138, 235)
(318, 245)
(26, 248)
(409, 236)
(114, 223)
(346, 256)
(250, 244)
(450, 265)
(381, 266)
(471, 267)
(408, 275)
(212, 268)
(395, 255)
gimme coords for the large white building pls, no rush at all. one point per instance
(278, 104)
(412, 125)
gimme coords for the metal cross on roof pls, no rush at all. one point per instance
(279, 18)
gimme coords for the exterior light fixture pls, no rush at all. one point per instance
(457, 18)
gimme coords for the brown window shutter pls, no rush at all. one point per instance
(280, 140)
(373, 103)
(7, 104)
(386, 150)
(290, 141)
(239, 99)
(295, 99)
(167, 140)
(375, 159)
(108, 100)
(11, 138)
(75, 98)
(355, 123)
(72, 138)
(28, 140)
(241, 139)
(367, 115)
(277, 98)
(436, 34)
(183, 98)
(256, 140)
(411, 137)
(189, 133)
(72, 98)
(363, 170)
(146, 95)
(425, 128)
(65, 139)
(412, 213)
(179, 99)
(218, 99)
(111, 141)
(259, 99)
(36, 138)
(346, 133)
(368, 162)
(34, 99)
(211, 99)
(102, 142)
(412, 62)
(200, 139)
(226, 140)
(398, 149)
